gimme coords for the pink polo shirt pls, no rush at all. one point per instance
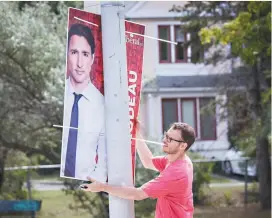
(172, 188)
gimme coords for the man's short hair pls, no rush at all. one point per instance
(187, 133)
(82, 30)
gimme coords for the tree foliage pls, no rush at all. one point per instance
(31, 84)
(249, 33)
(196, 15)
(246, 28)
(31, 78)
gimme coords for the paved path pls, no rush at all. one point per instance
(227, 184)
(54, 185)
(47, 185)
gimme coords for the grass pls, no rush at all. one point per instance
(235, 189)
(55, 176)
(252, 211)
(219, 179)
(56, 204)
(229, 203)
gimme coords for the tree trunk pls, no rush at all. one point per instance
(262, 143)
(264, 171)
(1, 173)
(3, 153)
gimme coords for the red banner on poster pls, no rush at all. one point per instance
(135, 50)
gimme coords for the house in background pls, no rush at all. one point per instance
(175, 89)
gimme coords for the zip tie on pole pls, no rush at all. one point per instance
(86, 21)
(157, 143)
(70, 127)
(65, 127)
(150, 37)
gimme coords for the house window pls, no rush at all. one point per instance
(188, 113)
(170, 33)
(164, 47)
(207, 118)
(181, 50)
(170, 113)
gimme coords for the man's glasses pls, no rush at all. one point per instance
(169, 139)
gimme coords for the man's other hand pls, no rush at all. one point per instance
(94, 186)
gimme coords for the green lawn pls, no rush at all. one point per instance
(235, 189)
(219, 179)
(56, 204)
(252, 211)
(52, 177)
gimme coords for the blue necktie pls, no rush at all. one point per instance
(72, 140)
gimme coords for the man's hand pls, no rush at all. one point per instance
(125, 192)
(95, 186)
(142, 149)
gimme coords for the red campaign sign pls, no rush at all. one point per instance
(135, 49)
(134, 52)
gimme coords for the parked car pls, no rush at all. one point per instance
(235, 163)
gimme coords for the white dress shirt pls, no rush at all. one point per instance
(91, 133)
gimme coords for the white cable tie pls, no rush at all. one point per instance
(157, 143)
(65, 127)
(150, 37)
(70, 127)
(86, 21)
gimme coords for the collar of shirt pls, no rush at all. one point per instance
(86, 92)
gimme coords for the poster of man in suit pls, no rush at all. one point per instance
(84, 152)
(83, 142)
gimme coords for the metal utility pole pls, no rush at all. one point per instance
(116, 101)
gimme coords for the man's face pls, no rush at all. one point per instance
(80, 59)
(172, 142)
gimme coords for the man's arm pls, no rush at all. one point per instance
(130, 193)
(144, 152)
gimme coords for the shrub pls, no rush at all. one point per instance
(202, 177)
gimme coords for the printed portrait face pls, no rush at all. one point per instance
(80, 59)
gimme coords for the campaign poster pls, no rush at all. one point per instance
(84, 151)
(83, 141)
(135, 52)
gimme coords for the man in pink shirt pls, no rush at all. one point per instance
(173, 187)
